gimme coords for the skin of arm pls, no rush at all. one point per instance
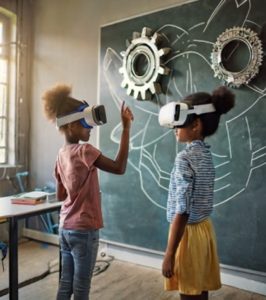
(60, 192)
(118, 165)
(177, 230)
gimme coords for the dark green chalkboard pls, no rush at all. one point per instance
(134, 204)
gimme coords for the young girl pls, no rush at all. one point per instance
(190, 262)
(77, 185)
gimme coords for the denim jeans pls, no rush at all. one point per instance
(78, 253)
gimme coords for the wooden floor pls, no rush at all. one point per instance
(120, 281)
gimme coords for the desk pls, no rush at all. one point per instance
(14, 212)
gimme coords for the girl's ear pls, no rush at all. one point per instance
(69, 128)
(72, 125)
(197, 125)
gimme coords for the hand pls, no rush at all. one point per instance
(126, 116)
(168, 266)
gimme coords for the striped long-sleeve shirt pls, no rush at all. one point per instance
(192, 183)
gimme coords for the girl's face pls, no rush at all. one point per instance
(76, 132)
(84, 134)
(183, 135)
(189, 133)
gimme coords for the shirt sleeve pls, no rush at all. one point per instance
(184, 185)
(89, 154)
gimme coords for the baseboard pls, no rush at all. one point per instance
(40, 236)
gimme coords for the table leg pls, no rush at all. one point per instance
(60, 263)
(13, 258)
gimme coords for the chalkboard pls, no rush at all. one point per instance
(134, 205)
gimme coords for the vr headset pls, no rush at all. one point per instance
(175, 114)
(88, 116)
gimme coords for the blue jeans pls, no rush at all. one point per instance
(78, 253)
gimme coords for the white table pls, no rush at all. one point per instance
(14, 212)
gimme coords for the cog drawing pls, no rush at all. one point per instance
(143, 65)
(237, 36)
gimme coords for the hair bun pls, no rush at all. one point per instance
(223, 99)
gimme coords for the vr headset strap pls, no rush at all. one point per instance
(202, 109)
(69, 118)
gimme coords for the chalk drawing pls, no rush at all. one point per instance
(147, 138)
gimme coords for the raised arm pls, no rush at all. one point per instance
(118, 165)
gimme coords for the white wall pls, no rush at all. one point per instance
(66, 46)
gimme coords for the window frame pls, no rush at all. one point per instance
(9, 52)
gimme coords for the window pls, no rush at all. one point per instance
(7, 85)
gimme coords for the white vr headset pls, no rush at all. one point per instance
(175, 114)
(88, 116)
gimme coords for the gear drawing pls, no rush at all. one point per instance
(254, 45)
(143, 65)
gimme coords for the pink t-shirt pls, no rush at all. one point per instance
(77, 177)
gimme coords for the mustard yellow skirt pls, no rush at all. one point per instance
(196, 261)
